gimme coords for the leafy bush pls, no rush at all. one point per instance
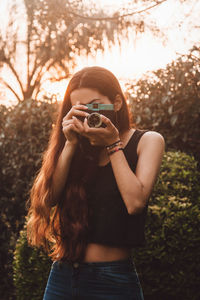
(24, 134)
(168, 101)
(31, 267)
(169, 264)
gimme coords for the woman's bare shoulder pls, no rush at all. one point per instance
(151, 139)
(151, 135)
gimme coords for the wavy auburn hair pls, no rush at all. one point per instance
(63, 229)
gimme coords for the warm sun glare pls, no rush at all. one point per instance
(138, 54)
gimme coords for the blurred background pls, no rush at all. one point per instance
(153, 47)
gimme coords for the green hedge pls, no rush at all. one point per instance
(168, 101)
(31, 269)
(24, 134)
(169, 264)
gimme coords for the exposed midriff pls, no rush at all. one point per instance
(98, 252)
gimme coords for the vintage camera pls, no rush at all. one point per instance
(95, 110)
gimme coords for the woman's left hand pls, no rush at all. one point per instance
(101, 136)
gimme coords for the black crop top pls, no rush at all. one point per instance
(109, 221)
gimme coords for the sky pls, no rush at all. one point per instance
(144, 53)
(179, 23)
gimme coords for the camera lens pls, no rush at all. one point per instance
(94, 120)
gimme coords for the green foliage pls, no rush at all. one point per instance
(168, 101)
(31, 267)
(169, 264)
(24, 134)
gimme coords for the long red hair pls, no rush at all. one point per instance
(62, 230)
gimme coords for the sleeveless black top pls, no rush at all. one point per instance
(109, 221)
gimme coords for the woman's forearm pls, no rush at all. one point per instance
(135, 188)
(129, 186)
(62, 170)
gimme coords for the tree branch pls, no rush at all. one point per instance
(11, 89)
(117, 17)
(8, 62)
(37, 82)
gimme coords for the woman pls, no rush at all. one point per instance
(89, 200)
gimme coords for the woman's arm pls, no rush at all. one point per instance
(62, 170)
(70, 131)
(136, 188)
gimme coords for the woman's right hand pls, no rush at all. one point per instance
(71, 125)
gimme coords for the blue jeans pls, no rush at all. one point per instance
(112, 280)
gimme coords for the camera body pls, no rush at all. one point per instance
(95, 111)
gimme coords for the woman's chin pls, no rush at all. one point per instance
(93, 143)
(89, 148)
